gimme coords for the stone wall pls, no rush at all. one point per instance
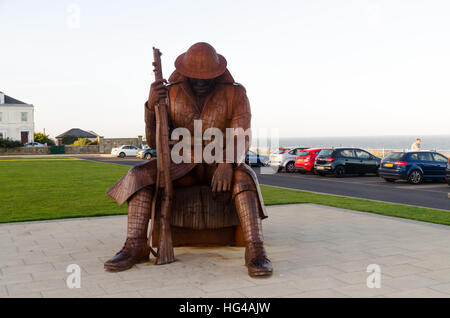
(46, 150)
(104, 147)
(107, 144)
(81, 149)
(25, 151)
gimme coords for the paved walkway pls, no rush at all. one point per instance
(316, 252)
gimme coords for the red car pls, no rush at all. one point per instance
(305, 160)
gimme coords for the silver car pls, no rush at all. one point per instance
(284, 158)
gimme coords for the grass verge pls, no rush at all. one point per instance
(43, 189)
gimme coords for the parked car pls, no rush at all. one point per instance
(255, 159)
(284, 158)
(304, 162)
(447, 174)
(125, 151)
(34, 144)
(341, 161)
(414, 166)
(146, 153)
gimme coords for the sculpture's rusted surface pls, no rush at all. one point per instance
(201, 190)
(201, 61)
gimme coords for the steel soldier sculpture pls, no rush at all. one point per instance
(201, 88)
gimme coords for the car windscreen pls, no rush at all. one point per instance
(326, 152)
(280, 151)
(395, 156)
(440, 158)
(302, 153)
(296, 151)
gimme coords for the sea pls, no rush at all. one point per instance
(431, 142)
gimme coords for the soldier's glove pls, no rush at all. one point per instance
(158, 90)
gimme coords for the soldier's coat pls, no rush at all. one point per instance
(226, 107)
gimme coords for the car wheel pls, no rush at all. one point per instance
(122, 155)
(415, 177)
(290, 167)
(321, 174)
(148, 156)
(313, 171)
(339, 172)
(389, 180)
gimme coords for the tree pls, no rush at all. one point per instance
(43, 139)
(68, 139)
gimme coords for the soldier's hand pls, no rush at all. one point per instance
(221, 180)
(158, 90)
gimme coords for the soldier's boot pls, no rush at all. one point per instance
(135, 249)
(247, 207)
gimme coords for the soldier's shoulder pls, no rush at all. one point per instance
(240, 90)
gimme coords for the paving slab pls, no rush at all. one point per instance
(316, 251)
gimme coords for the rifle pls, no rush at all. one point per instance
(165, 253)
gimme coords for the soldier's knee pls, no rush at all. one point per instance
(142, 195)
(242, 182)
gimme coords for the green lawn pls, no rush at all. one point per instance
(42, 189)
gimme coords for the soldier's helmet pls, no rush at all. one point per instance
(201, 61)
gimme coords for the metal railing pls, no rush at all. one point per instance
(379, 152)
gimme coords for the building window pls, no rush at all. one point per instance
(1, 134)
(24, 116)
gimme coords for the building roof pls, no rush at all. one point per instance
(93, 132)
(77, 132)
(11, 100)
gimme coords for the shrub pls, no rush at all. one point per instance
(81, 142)
(9, 143)
(43, 139)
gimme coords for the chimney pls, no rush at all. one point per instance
(2, 98)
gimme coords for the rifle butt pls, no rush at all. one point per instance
(165, 250)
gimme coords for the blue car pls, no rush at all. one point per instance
(254, 159)
(413, 166)
(447, 176)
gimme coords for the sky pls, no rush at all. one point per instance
(310, 68)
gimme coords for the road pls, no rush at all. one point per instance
(428, 194)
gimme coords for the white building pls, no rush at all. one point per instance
(16, 119)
